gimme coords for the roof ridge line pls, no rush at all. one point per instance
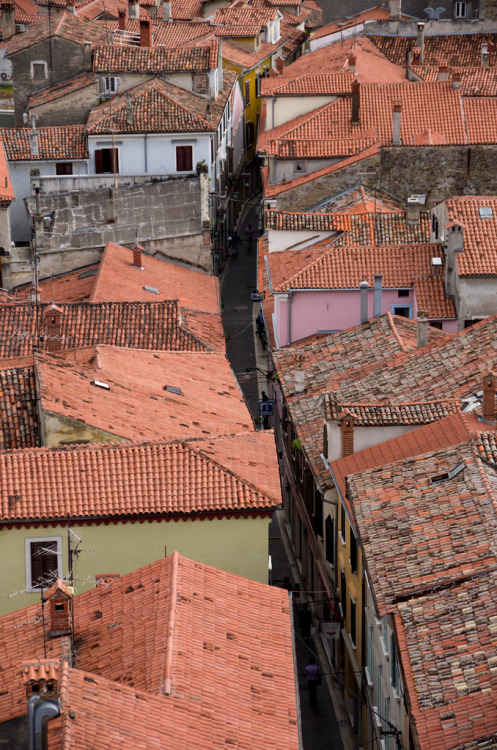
(170, 625)
(395, 332)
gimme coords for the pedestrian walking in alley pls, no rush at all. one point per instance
(305, 622)
(313, 676)
(249, 233)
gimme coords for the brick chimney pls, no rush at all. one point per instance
(421, 42)
(364, 290)
(8, 20)
(356, 103)
(347, 419)
(280, 64)
(146, 33)
(488, 402)
(395, 10)
(443, 72)
(352, 63)
(59, 600)
(456, 80)
(133, 9)
(53, 327)
(422, 328)
(397, 123)
(137, 256)
(122, 20)
(41, 677)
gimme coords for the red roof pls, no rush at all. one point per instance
(62, 142)
(480, 234)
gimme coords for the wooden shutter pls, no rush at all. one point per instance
(99, 161)
(44, 563)
(184, 158)
(114, 160)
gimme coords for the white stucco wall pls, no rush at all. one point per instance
(281, 109)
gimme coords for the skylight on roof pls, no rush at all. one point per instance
(151, 289)
(436, 261)
(439, 478)
(100, 384)
(486, 212)
(173, 389)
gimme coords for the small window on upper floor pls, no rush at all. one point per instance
(38, 71)
(63, 168)
(460, 9)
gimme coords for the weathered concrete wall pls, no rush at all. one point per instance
(58, 430)
(72, 109)
(166, 216)
(436, 171)
(64, 60)
(15, 733)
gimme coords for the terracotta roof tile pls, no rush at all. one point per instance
(64, 142)
(457, 50)
(159, 107)
(66, 26)
(309, 84)
(242, 16)
(152, 325)
(117, 59)
(74, 286)
(19, 426)
(7, 192)
(480, 234)
(149, 479)
(62, 89)
(377, 13)
(244, 58)
(474, 81)
(481, 119)
(362, 200)
(199, 622)
(138, 405)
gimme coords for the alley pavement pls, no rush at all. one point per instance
(327, 726)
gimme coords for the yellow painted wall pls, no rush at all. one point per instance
(237, 545)
(353, 582)
(58, 430)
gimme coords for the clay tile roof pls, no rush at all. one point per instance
(182, 607)
(44, 669)
(96, 481)
(458, 50)
(185, 10)
(64, 142)
(62, 89)
(117, 59)
(480, 234)
(245, 16)
(372, 14)
(159, 107)
(310, 84)
(244, 58)
(370, 415)
(142, 402)
(66, 26)
(19, 426)
(363, 200)
(74, 286)
(481, 119)
(474, 81)
(152, 325)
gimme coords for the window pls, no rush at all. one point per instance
(343, 594)
(342, 524)
(325, 441)
(405, 311)
(394, 673)
(184, 158)
(299, 165)
(106, 161)
(109, 84)
(434, 226)
(63, 167)
(460, 9)
(249, 133)
(43, 562)
(247, 93)
(403, 292)
(353, 552)
(38, 71)
(330, 539)
(353, 616)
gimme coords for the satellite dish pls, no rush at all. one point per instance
(429, 12)
(438, 12)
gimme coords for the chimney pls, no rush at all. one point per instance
(122, 20)
(413, 210)
(33, 138)
(70, 6)
(133, 9)
(422, 329)
(421, 42)
(129, 108)
(59, 599)
(488, 402)
(145, 33)
(397, 115)
(454, 245)
(356, 103)
(53, 327)
(485, 56)
(443, 72)
(166, 11)
(395, 10)
(352, 63)
(377, 295)
(41, 678)
(299, 374)
(456, 80)
(34, 295)
(415, 56)
(346, 420)
(8, 20)
(137, 256)
(280, 64)
(364, 287)
(38, 228)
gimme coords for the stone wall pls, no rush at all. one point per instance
(72, 109)
(166, 216)
(435, 171)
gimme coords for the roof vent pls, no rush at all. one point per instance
(150, 289)
(436, 262)
(100, 384)
(439, 478)
(173, 389)
(486, 212)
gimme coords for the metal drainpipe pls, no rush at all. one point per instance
(290, 300)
